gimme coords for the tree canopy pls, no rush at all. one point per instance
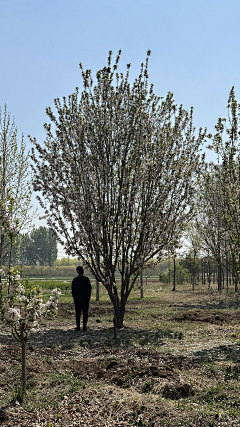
(116, 174)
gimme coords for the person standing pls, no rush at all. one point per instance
(81, 292)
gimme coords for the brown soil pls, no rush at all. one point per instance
(114, 371)
(88, 379)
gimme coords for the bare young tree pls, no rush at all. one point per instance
(116, 174)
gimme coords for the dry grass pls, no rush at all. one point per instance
(176, 362)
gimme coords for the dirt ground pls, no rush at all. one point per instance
(176, 362)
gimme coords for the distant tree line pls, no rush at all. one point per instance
(39, 247)
(194, 270)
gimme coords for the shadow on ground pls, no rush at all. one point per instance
(230, 353)
(98, 337)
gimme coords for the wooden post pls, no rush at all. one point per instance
(97, 290)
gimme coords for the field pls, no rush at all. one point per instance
(176, 362)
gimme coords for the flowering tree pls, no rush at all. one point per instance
(210, 230)
(117, 174)
(15, 188)
(9, 228)
(219, 223)
(22, 309)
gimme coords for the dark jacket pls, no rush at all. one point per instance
(81, 289)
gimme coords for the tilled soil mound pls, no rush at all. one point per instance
(119, 367)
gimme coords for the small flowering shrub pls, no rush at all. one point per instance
(23, 308)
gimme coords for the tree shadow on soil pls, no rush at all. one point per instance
(96, 338)
(209, 306)
(229, 353)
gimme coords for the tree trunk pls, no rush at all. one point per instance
(236, 284)
(10, 253)
(227, 274)
(141, 283)
(169, 274)
(122, 311)
(119, 309)
(119, 303)
(97, 290)
(174, 273)
(1, 248)
(209, 275)
(1, 255)
(204, 272)
(219, 277)
(23, 342)
(115, 326)
(0, 291)
(194, 271)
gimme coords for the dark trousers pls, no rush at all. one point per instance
(81, 306)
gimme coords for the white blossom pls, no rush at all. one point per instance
(12, 315)
(32, 306)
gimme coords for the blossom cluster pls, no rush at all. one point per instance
(23, 307)
(7, 223)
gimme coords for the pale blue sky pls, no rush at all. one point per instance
(194, 43)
